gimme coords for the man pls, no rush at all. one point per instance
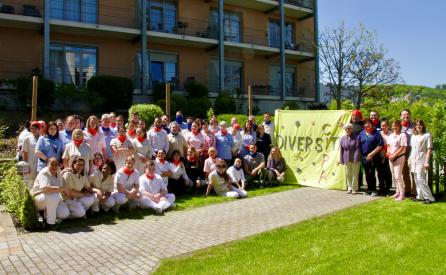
(113, 120)
(158, 137)
(358, 124)
(254, 165)
(78, 122)
(407, 128)
(119, 121)
(179, 119)
(371, 143)
(65, 135)
(165, 123)
(176, 141)
(252, 120)
(108, 133)
(268, 125)
(374, 118)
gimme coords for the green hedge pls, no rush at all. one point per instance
(114, 92)
(16, 198)
(241, 118)
(147, 112)
(225, 103)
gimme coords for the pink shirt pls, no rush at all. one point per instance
(197, 141)
(210, 165)
(395, 141)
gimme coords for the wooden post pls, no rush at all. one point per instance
(34, 98)
(249, 101)
(168, 99)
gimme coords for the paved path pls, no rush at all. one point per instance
(134, 246)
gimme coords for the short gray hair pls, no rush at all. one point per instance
(105, 116)
(347, 125)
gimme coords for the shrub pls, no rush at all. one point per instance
(28, 212)
(113, 92)
(317, 106)
(147, 112)
(240, 118)
(197, 107)
(225, 103)
(177, 103)
(45, 92)
(196, 90)
(290, 105)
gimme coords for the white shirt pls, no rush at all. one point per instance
(84, 151)
(178, 171)
(22, 136)
(420, 144)
(269, 129)
(45, 179)
(128, 181)
(395, 142)
(158, 140)
(209, 165)
(197, 141)
(160, 167)
(236, 175)
(119, 158)
(143, 149)
(96, 142)
(29, 146)
(96, 181)
(154, 186)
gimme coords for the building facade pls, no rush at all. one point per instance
(265, 44)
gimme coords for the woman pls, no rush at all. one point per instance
(143, 149)
(384, 174)
(121, 147)
(47, 190)
(193, 167)
(214, 125)
(78, 148)
(248, 137)
(127, 185)
(162, 166)
(224, 143)
(94, 137)
(98, 162)
(154, 191)
(49, 146)
(263, 140)
(195, 139)
(102, 184)
(237, 175)
(80, 195)
(179, 182)
(397, 143)
(420, 155)
(209, 137)
(211, 162)
(350, 157)
(131, 132)
(275, 165)
(29, 149)
(221, 182)
(235, 131)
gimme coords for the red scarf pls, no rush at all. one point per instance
(127, 171)
(92, 131)
(368, 130)
(150, 177)
(176, 162)
(131, 133)
(405, 123)
(191, 159)
(122, 138)
(78, 142)
(113, 125)
(157, 129)
(195, 132)
(140, 139)
(162, 161)
(375, 121)
(224, 132)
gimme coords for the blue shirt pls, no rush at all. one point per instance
(369, 142)
(65, 137)
(51, 148)
(108, 135)
(224, 144)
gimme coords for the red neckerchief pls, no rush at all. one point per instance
(92, 132)
(78, 142)
(162, 161)
(405, 123)
(176, 162)
(224, 132)
(196, 132)
(113, 125)
(150, 177)
(375, 121)
(368, 130)
(131, 133)
(140, 139)
(122, 138)
(127, 171)
(193, 159)
(157, 129)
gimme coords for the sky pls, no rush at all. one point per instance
(413, 32)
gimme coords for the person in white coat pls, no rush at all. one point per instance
(47, 190)
(143, 150)
(162, 166)
(158, 137)
(127, 185)
(94, 137)
(420, 155)
(121, 147)
(237, 175)
(179, 182)
(102, 183)
(80, 195)
(78, 148)
(29, 149)
(154, 191)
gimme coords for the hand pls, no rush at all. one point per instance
(391, 157)
(253, 173)
(369, 157)
(426, 166)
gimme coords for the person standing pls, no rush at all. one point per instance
(49, 146)
(94, 137)
(384, 174)
(179, 119)
(397, 143)
(66, 134)
(177, 142)
(195, 139)
(78, 148)
(268, 125)
(248, 138)
(109, 133)
(407, 127)
(158, 137)
(224, 143)
(374, 118)
(350, 146)
(121, 148)
(29, 149)
(420, 155)
(263, 140)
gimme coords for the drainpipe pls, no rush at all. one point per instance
(46, 39)
(144, 72)
(221, 44)
(316, 52)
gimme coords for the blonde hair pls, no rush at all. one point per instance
(89, 122)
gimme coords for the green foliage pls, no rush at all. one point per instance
(159, 91)
(225, 103)
(317, 106)
(197, 107)
(147, 112)
(242, 119)
(196, 90)
(210, 113)
(177, 103)
(345, 105)
(290, 105)
(114, 92)
(28, 212)
(45, 92)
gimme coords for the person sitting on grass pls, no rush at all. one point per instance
(254, 166)
(154, 191)
(179, 182)
(102, 183)
(276, 166)
(80, 194)
(127, 185)
(193, 167)
(162, 166)
(221, 182)
(237, 175)
(210, 162)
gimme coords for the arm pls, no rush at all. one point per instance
(208, 189)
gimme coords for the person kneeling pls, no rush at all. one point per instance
(154, 190)
(221, 182)
(102, 184)
(254, 166)
(127, 185)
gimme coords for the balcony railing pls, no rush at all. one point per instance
(308, 4)
(26, 8)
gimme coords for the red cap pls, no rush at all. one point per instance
(42, 123)
(35, 124)
(236, 127)
(357, 113)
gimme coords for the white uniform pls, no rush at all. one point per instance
(269, 129)
(51, 203)
(23, 134)
(158, 140)
(162, 167)
(178, 171)
(420, 144)
(120, 158)
(77, 206)
(96, 142)
(105, 186)
(129, 182)
(154, 186)
(29, 146)
(84, 151)
(236, 175)
(143, 149)
(224, 188)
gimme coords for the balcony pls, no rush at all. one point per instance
(26, 14)
(294, 8)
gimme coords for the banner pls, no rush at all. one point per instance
(309, 142)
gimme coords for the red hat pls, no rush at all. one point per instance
(236, 127)
(42, 123)
(357, 113)
(35, 124)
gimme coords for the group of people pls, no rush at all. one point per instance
(104, 163)
(399, 155)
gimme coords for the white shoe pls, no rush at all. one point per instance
(348, 192)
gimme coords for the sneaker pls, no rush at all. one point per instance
(374, 194)
(348, 192)
(428, 202)
(396, 195)
(158, 210)
(354, 193)
(415, 199)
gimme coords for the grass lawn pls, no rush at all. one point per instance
(182, 203)
(381, 237)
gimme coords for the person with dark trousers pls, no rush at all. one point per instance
(371, 143)
(383, 168)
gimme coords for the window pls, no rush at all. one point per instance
(162, 16)
(74, 10)
(163, 68)
(72, 64)
(233, 75)
(274, 35)
(231, 23)
(290, 76)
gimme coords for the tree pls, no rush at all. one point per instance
(370, 67)
(337, 47)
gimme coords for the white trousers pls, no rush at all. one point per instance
(78, 207)
(106, 205)
(53, 206)
(161, 206)
(352, 174)
(423, 190)
(121, 198)
(235, 193)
